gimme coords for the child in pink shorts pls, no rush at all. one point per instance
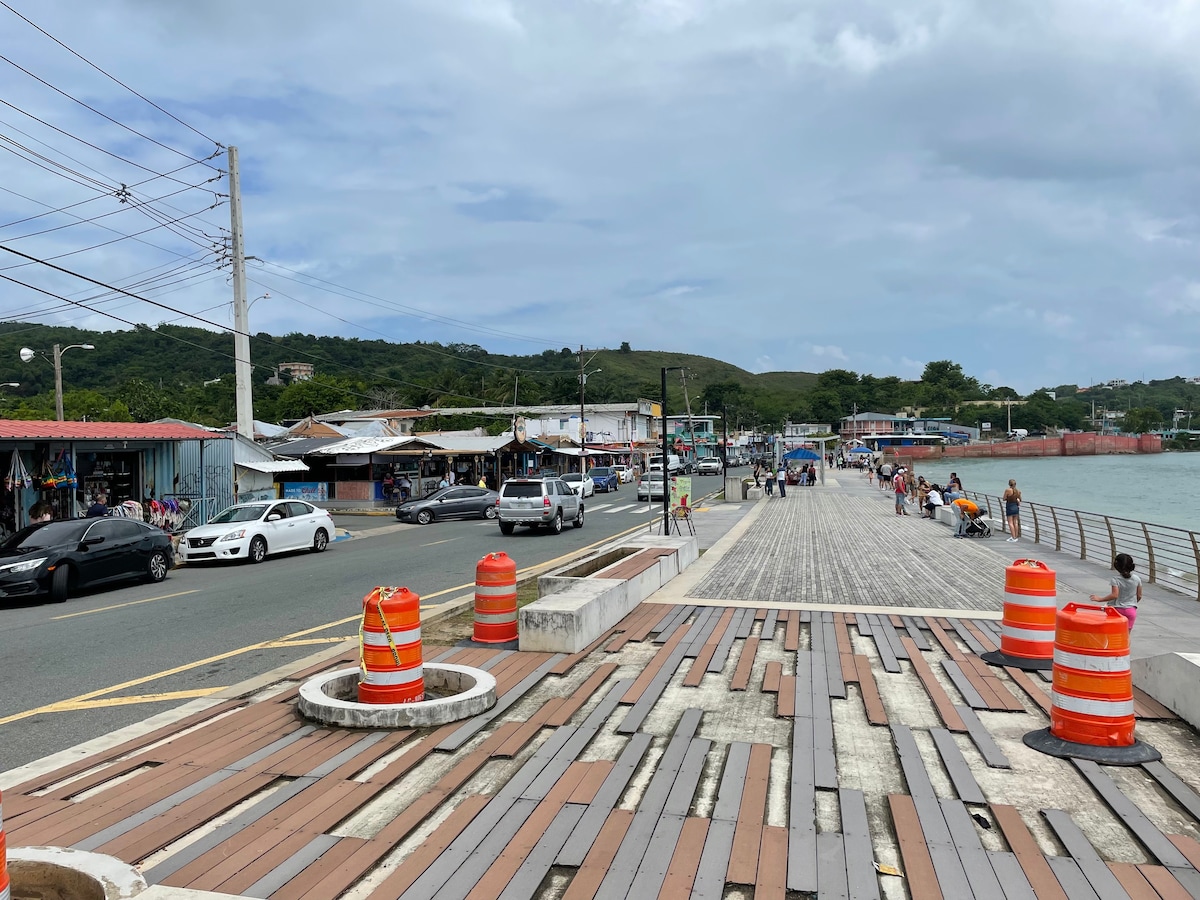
(1126, 590)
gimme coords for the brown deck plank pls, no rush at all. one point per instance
(945, 640)
(567, 663)
(595, 865)
(696, 673)
(370, 755)
(655, 616)
(1134, 882)
(108, 773)
(791, 634)
(527, 729)
(980, 635)
(21, 809)
(415, 864)
(941, 700)
(771, 676)
(785, 699)
(982, 685)
(597, 771)
(896, 621)
(918, 866)
(741, 675)
(575, 701)
(1028, 853)
(1036, 694)
(243, 864)
(1004, 698)
(1147, 707)
(747, 836)
(876, 714)
(1161, 879)
(849, 668)
(300, 886)
(771, 882)
(681, 871)
(842, 634)
(635, 691)
(1188, 846)
(850, 618)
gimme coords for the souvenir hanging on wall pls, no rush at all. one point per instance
(18, 476)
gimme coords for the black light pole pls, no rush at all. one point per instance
(725, 428)
(666, 447)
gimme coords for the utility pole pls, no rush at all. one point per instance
(583, 377)
(688, 406)
(241, 312)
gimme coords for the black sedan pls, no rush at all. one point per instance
(58, 558)
(458, 502)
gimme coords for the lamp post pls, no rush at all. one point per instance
(666, 446)
(583, 377)
(59, 350)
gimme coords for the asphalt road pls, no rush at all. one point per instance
(107, 659)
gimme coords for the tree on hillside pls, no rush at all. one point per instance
(1141, 419)
(949, 377)
(625, 348)
(319, 394)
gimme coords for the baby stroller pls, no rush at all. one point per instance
(977, 526)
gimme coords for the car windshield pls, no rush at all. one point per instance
(238, 514)
(440, 492)
(35, 537)
(572, 476)
(600, 472)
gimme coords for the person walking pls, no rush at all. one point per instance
(901, 490)
(757, 474)
(769, 480)
(781, 477)
(1125, 589)
(1012, 511)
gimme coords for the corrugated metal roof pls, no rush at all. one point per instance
(303, 446)
(469, 444)
(361, 445)
(17, 429)
(273, 465)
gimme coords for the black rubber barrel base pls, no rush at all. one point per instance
(996, 658)
(488, 645)
(1133, 755)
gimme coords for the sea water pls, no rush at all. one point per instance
(1161, 488)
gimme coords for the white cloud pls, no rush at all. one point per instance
(828, 352)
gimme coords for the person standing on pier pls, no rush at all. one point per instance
(1126, 589)
(901, 489)
(1012, 511)
(768, 480)
(781, 478)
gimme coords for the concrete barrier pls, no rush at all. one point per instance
(735, 488)
(1171, 680)
(573, 611)
(945, 515)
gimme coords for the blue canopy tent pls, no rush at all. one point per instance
(861, 450)
(802, 454)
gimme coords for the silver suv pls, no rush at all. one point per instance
(534, 502)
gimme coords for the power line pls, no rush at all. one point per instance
(109, 76)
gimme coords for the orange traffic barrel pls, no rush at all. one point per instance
(1091, 697)
(495, 599)
(1027, 627)
(4, 889)
(390, 647)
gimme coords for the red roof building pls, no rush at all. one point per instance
(22, 430)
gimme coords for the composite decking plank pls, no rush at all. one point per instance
(709, 648)
(289, 881)
(945, 640)
(1101, 879)
(968, 637)
(1175, 786)
(743, 861)
(1011, 875)
(599, 856)
(635, 691)
(983, 740)
(887, 656)
(1023, 681)
(580, 696)
(745, 665)
(477, 723)
(785, 697)
(802, 810)
(876, 714)
(768, 627)
(941, 700)
(653, 689)
(539, 719)
(709, 883)
(1028, 853)
(1071, 877)
(1004, 698)
(918, 864)
(532, 870)
(720, 655)
(913, 627)
(970, 691)
(985, 885)
(1166, 882)
(956, 766)
(681, 870)
(791, 633)
(831, 867)
(861, 881)
(1135, 882)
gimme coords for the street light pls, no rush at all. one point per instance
(583, 377)
(27, 355)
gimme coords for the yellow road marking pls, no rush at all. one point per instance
(66, 705)
(88, 612)
(74, 702)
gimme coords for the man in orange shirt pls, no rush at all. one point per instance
(965, 510)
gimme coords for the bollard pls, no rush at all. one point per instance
(1091, 708)
(390, 647)
(1027, 629)
(495, 599)
(4, 889)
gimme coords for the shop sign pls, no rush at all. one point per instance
(681, 491)
(312, 491)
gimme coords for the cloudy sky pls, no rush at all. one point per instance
(779, 184)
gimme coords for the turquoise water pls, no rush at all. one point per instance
(1163, 488)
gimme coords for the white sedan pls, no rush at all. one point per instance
(580, 484)
(254, 530)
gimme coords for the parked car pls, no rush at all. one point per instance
(59, 558)
(258, 529)
(624, 473)
(581, 484)
(538, 502)
(605, 478)
(651, 486)
(710, 465)
(458, 502)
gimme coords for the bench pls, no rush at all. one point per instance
(635, 565)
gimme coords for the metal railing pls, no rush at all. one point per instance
(1165, 555)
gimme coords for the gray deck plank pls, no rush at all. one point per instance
(833, 666)
(721, 654)
(1072, 879)
(672, 624)
(495, 660)
(984, 742)
(683, 791)
(864, 625)
(804, 684)
(1012, 877)
(887, 656)
(831, 867)
(824, 756)
(1133, 818)
(967, 637)
(645, 705)
(746, 625)
(1099, 876)
(714, 861)
(802, 811)
(891, 635)
(956, 764)
(292, 866)
(861, 880)
(469, 868)
(1175, 786)
(769, 623)
(733, 782)
(913, 627)
(652, 870)
(972, 697)
(984, 883)
(476, 724)
(700, 631)
(528, 878)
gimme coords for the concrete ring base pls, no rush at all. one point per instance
(996, 658)
(1133, 755)
(63, 872)
(331, 699)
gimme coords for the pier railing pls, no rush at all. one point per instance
(1164, 555)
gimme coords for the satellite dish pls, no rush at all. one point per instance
(26, 354)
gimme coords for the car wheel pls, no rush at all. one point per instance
(424, 517)
(578, 523)
(556, 525)
(489, 512)
(258, 550)
(507, 527)
(156, 566)
(320, 541)
(60, 582)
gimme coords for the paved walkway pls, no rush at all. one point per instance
(803, 713)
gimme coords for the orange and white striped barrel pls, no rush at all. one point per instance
(1027, 628)
(1092, 688)
(4, 888)
(390, 669)
(496, 599)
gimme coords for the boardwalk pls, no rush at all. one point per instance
(803, 715)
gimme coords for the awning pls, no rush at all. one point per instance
(801, 453)
(861, 450)
(271, 466)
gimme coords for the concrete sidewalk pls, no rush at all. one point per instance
(801, 713)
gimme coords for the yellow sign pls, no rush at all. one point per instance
(681, 491)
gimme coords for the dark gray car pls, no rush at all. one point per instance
(457, 502)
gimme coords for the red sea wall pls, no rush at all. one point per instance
(1083, 444)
